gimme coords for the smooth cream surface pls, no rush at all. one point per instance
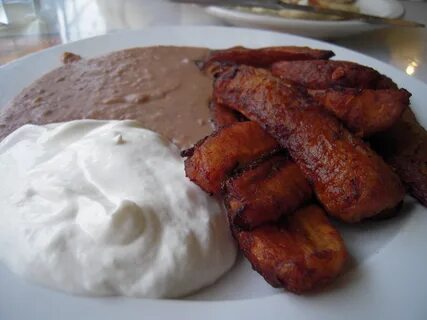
(104, 208)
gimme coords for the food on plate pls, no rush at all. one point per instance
(214, 158)
(103, 208)
(69, 57)
(363, 111)
(265, 57)
(160, 87)
(265, 191)
(291, 247)
(99, 198)
(345, 5)
(366, 111)
(324, 74)
(302, 253)
(222, 116)
(349, 179)
(404, 147)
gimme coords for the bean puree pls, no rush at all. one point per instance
(161, 87)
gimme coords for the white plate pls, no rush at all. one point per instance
(312, 28)
(387, 277)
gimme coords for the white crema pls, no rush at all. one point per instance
(104, 208)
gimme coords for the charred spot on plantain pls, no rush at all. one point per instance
(356, 189)
(190, 151)
(324, 254)
(239, 220)
(339, 133)
(187, 152)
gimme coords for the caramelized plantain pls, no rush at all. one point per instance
(265, 191)
(212, 159)
(302, 253)
(265, 57)
(222, 116)
(364, 112)
(404, 147)
(324, 74)
(350, 180)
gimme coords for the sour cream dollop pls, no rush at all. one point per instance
(104, 208)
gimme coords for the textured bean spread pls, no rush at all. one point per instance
(161, 87)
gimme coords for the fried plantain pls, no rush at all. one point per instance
(324, 74)
(265, 191)
(212, 159)
(302, 253)
(350, 180)
(404, 147)
(222, 116)
(367, 111)
(265, 57)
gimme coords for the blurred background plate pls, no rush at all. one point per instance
(312, 28)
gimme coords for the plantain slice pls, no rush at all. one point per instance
(265, 191)
(364, 112)
(214, 158)
(324, 74)
(404, 147)
(223, 116)
(265, 57)
(350, 180)
(303, 253)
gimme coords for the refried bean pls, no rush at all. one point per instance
(161, 87)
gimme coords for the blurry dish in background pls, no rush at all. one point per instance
(311, 25)
(344, 5)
